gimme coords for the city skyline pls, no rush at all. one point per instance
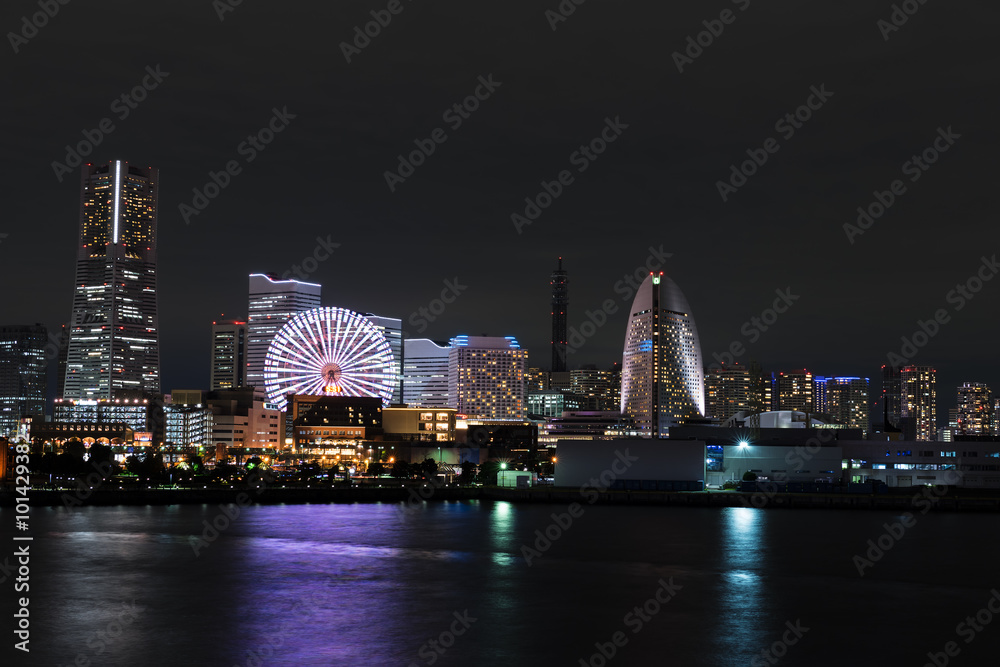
(653, 187)
(466, 312)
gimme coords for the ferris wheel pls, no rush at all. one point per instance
(329, 352)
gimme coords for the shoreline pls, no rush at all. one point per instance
(974, 500)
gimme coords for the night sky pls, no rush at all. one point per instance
(655, 185)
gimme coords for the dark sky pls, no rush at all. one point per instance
(656, 185)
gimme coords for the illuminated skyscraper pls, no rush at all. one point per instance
(663, 378)
(975, 409)
(595, 385)
(486, 377)
(425, 373)
(795, 391)
(560, 300)
(918, 401)
(729, 389)
(273, 303)
(229, 355)
(22, 375)
(847, 402)
(114, 332)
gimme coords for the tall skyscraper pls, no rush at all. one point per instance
(847, 402)
(919, 401)
(892, 392)
(22, 375)
(392, 329)
(114, 332)
(663, 380)
(729, 389)
(272, 303)
(425, 373)
(559, 281)
(486, 377)
(975, 409)
(795, 391)
(595, 385)
(820, 402)
(229, 355)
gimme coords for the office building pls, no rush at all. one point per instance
(596, 386)
(554, 402)
(536, 379)
(23, 371)
(425, 373)
(144, 416)
(272, 304)
(114, 330)
(663, 379)
(486, 377)
(187, 427)
(229, 355)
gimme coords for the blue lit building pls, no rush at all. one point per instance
(662, 373)
(22, 375)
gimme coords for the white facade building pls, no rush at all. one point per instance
(425, 373)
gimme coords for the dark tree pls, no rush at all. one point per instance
(429, 468)
(468, 475)
(75, 448)
(488, 473)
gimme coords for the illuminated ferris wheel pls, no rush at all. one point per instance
(329, 352)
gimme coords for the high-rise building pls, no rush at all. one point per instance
(795, 391)
(975, 409)
(663, 380)
(273, 303)
(486, 377)
(22, 375)
(559, 281)
(820, 403)
(595, 385)
(918, 401)
(535, 379)
(63, 355)
(229, 355)
(114, 331)
(847, 402)
(892, 392)
(392, 329)
(615, 386)
(728, 389)
(425, 373)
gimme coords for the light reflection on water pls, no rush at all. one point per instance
(365, 584)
